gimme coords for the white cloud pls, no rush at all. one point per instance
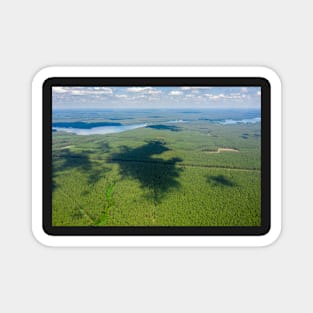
(59, 89)
(175, 93)
(215, 97)
(159, 96)
(139, 97)
(236, 95)
(195, 88)
(105, 90)
(80, 91)
(223, 96)
(154, 92)
(139, 89)
(144, 90)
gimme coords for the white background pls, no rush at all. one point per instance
(35, 34)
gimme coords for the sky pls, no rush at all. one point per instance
(155, 97)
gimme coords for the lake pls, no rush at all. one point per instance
(99, 130)
(109, 122)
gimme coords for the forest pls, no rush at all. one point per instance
(180, 170)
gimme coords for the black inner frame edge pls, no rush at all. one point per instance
(158, 230)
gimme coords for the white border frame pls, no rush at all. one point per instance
(157, 241)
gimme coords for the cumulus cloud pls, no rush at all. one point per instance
(139, 97)
(231, 96)
(194, 88)
(145, 90)
(138, 89)
(215, 97)
(157, 96)
(59, 89)
(80, 91)
(225, 96)
(175, 93)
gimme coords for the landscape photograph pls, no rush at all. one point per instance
(156, 156)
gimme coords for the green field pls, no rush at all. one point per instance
(198, 173)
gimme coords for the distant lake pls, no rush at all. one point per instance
(243, 121)
(99, 130)
(177, 121)
(104, 122)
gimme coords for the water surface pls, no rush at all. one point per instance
(99, 130)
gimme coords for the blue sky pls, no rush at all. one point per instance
(155, 97)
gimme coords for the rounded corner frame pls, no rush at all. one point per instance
(157, 241)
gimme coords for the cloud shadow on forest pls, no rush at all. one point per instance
(220, 180)
(65, 159)
(155, 174)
